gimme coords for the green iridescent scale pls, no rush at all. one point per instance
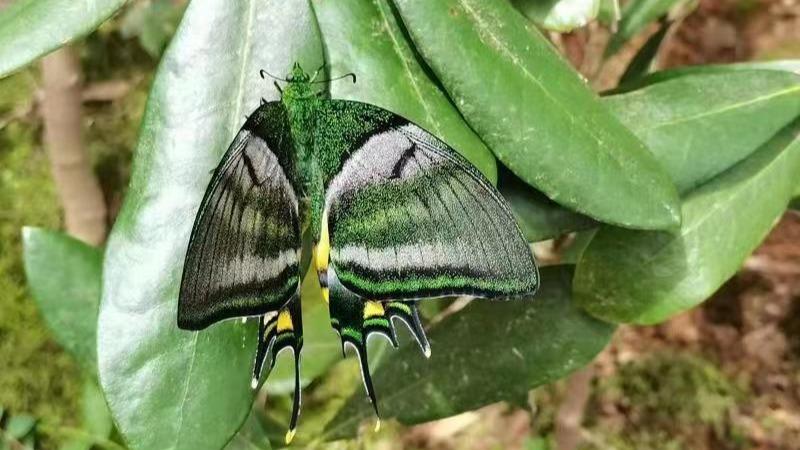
(390, 213)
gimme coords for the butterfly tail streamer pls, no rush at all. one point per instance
(281, 331)
(407, 313)
(356, 319)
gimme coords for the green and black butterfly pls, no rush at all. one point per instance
(388, 214)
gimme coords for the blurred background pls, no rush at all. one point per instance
(723, 376)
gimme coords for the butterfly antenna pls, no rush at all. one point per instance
(317, 72)
(347, 75)
(264, 74)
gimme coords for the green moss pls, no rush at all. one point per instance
(37, 377)
(666, 397)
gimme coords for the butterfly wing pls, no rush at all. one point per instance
(410, 218)
(243, 252)
(405, 218)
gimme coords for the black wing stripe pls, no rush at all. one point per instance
(409, 218)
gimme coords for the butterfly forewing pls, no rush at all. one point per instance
(410, 218)
(242, 258)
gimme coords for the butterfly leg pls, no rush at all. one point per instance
(283, 330)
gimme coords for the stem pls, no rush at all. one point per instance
(570, 414)
(85, 211)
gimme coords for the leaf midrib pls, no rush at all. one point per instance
(724, 109)
(404, 60)
(245, 48)
(733, 193)
(186, 391)
(515, 61)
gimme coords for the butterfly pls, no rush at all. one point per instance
(384, 212)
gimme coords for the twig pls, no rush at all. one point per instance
(78, 188)
(570, 414)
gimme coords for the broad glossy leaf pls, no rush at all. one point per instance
(488, 352)
(636, 15)
(559, 15)
(786, 65)
(536, 114)
(539, 217)
(645, 277)
(728, 115)
(64, 276)
(32, 28)
(168, 388)
(699, 125)
(365, 38)
(252, 436)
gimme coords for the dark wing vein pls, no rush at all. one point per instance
(243, 252)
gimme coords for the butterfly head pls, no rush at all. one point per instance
(298, 75)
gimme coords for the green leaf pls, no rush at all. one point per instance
(697, 126)
(536, 114)
(364, 37)
(559, 15)
(539, 217)
(153, 23)
(252, 435)
(731, 112)
(636, 15)
(645, 277)
(786, 65)
(32, 28)
(642, 62)
(20, 426)
(168, 388)
(96, 420)
(64, 276)
(609, 13)
(488, 352)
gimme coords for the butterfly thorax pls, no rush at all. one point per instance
(302, 103)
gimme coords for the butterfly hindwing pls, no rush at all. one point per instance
(243, 251)
(281, 331)
(355, 320)
(407, 218)
(410, 218)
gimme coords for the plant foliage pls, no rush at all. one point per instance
(676, 176)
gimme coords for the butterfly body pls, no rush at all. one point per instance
(387, 213)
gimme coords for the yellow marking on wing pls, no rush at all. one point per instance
(326, 295)
(290, 436)
(373, 309)
(285, 321)
(323, 248)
